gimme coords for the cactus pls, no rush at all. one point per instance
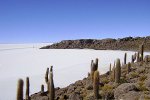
(96, 62)
(51, 85)
(142, 51)
(132, 59)
(128, 67)
(46, 77)
(110, 68)
(94, 67)
(117, 71)
(96, 84)
(138, 57)
(42, 88)
(27, 88)
(146, 59)
(20, 90)
(113, 73)
(125, 58)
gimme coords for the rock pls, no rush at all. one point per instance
(131, 95)
(122, 89)
(89, 85)
(147, 84)
(71, 89)
(75, 96)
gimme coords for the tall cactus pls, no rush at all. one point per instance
(96, 84)
(94, 67)
(20, 90)
(46, 77)
(51, 85)
(142, 51)
(27, 88)
(125, 58)
(117, 71)
(128, 67)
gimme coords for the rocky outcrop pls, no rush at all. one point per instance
(128, 43)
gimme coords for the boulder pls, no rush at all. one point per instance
(123, 89)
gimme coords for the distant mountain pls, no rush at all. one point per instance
(127, 43)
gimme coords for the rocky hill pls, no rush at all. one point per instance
(128, 43)
(126, 81)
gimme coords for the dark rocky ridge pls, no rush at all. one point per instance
(127, 43)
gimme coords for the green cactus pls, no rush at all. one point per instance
(46, 77)
(42, 88)
(51, 85)
(27, 88)
(96, 84)
(128, 67)
(117, 71)
(125, 58)
(20, 90)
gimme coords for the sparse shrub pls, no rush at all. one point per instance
(142, 78)
(141, 86)
(134, 75)
(107, 92)
(104, 80)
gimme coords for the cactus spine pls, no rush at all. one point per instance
(117, 71)
(96, 84)
(46, 77)
(128, 67)
(20, 90)
(27, 88)
(51, 85)
(125, 58)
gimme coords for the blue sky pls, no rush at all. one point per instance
(31, 21)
